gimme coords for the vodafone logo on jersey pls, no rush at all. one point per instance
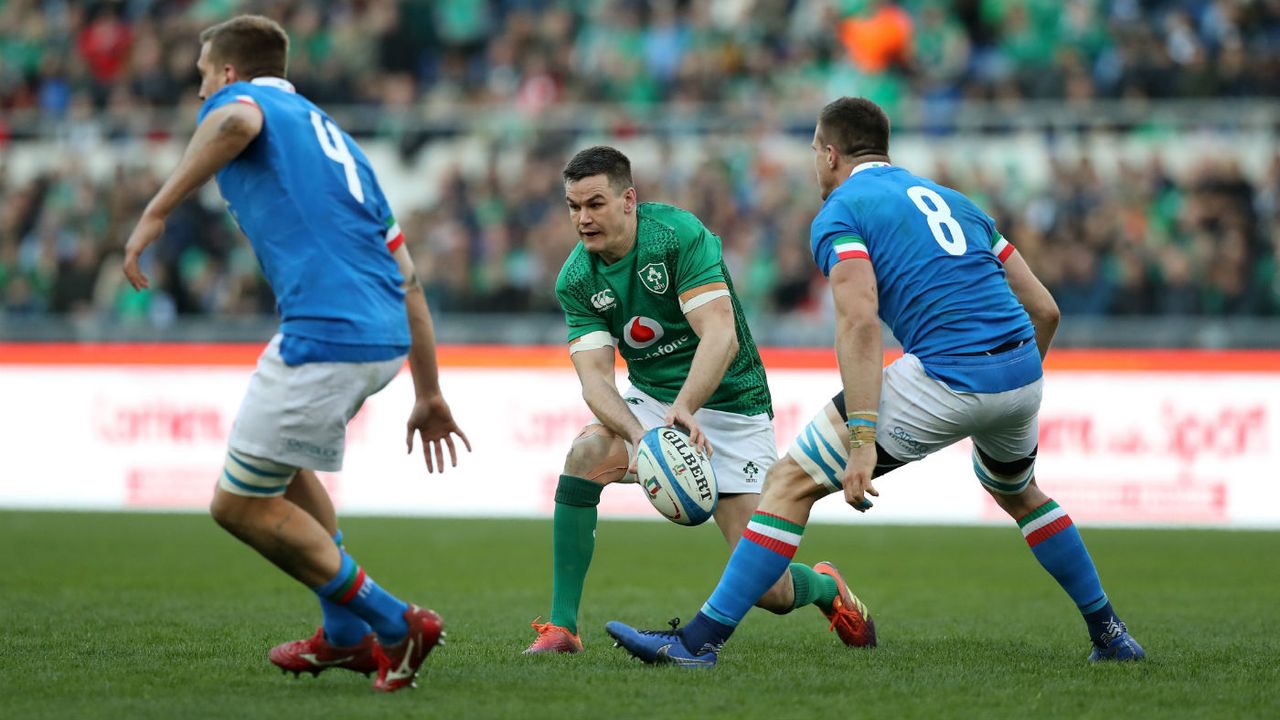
(641, 332)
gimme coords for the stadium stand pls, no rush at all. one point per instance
(1111, 235)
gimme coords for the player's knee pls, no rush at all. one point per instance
(597, 455)
(1004, 479)
(228, 511)
(788, 482)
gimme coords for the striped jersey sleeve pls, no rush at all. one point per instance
(834, 237)
(226, 96)
(395, 237)
(1000, 246)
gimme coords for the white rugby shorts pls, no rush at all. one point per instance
(920, 415)
(743, 446)
(298, 415)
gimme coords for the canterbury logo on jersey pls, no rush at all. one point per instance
(640, 332)
(603, 300)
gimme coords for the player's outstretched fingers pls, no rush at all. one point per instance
(426, 450)
(453, 452)
(439, 448)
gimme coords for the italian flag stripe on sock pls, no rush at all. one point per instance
(1043, 523)
(350, 587)
(774, 533)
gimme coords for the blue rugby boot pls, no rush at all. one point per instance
(1117, 645)
(661, 647)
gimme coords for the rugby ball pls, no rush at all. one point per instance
(676, 477)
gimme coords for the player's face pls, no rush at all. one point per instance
(600, 215)
(212, 78)
(824, 162)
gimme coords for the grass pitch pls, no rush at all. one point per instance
(165, 616)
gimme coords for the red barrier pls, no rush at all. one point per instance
(546, 356)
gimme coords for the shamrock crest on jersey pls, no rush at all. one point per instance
(654, 276)
(674, 253)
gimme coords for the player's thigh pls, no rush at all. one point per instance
(743, 449)
(298, 415)
(918, 414)
(818, 456)
(733, 512)
(1004, 450)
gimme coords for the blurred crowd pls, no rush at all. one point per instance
(1137, 240)
(1117, 240)
(67, 58)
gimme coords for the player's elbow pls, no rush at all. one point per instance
(860, 324)
(732, 346)
(1045, 313)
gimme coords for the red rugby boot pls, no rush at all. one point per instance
(398, 664)
(315, 655)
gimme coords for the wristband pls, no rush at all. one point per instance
(860, 435)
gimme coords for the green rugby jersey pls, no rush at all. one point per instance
(637, 301)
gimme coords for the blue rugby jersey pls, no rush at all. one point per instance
(308, 200)
(938, 263)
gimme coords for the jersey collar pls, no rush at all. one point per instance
(275, 82)
(867, 166)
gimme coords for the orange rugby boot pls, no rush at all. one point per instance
(552, 639)
(849, 616)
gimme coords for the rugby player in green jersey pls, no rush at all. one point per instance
(648, 281)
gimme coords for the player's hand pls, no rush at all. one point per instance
(148, 229)
(680, 417)
(857, 477)
(432, 419)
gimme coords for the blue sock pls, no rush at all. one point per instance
(760, 558)
(1057, 544)
(352, 589)
(341, 626)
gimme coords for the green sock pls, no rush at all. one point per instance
(812, 587)
(574, 529)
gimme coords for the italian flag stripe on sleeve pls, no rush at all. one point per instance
(395, 238)
(1001, 247)
(850, 247)
(247, 100)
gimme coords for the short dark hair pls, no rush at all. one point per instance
(854, 126)
(600, 160)
(254, 45)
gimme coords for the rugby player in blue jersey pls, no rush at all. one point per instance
(974, 323)
(351, 310)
